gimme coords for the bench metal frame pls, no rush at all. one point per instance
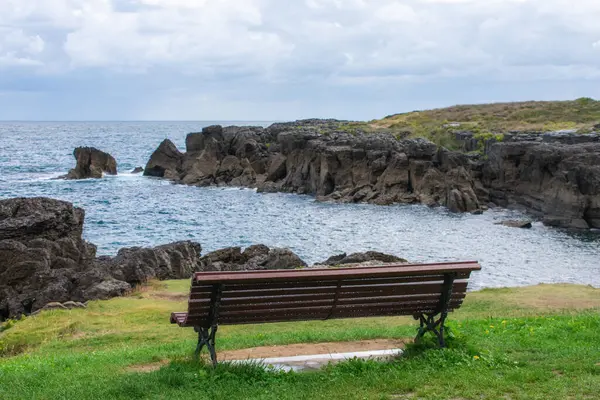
(206, 334)
(428, 323)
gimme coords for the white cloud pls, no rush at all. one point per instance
(312, 43)
(274, 39)
(19, 49)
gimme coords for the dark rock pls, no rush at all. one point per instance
(39, 218)
(137, 170)
(257, 257)
(553, 176)
(317, 157)
(277, 168)
(92, 163)
(165, 162)
(256, 250)
(334, 260)
(106, 289)
(196, 142)
(357, 258)
(172, 261)
(570, 137)
(516, 224)
(282, 259)
(557, 182)
(43, 259)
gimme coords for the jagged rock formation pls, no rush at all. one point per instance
(315, 157)
(43, 259)
(358, 258)
(91, 163)
(553, 176)
(559, 183)
(137, 264)
(42, 255)
(255, 257)
(165, 162)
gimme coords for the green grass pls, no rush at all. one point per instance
(501, 117)
(519, 343)
(439, 125)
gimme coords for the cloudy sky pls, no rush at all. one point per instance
(288, 59)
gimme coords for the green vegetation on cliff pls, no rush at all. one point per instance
(486, 120)
(537, 342)
(530, 116)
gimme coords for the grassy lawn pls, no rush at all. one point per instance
(520, 343)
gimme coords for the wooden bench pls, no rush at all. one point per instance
(426, 291)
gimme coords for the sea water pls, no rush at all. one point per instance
(132, 210)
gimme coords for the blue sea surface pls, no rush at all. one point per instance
(133, 210)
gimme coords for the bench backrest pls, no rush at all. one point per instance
(311, 294)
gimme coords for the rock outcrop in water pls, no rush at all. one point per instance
(91, 163)
(315, 157)
(523, 224)
(44, 259)
(553, 176)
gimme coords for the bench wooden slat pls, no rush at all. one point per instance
(275, 291)
(324, 314)
(345, 281)
(308, 308)
(335, 273)
(425, 288)
(280, 301)
(344, 292)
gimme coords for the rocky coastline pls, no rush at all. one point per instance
(46, 264)
(554, 177)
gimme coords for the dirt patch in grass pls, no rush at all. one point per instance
(300, 349)
(78, 335)
(287, 351)
(145, 368)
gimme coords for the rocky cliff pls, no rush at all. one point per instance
(316, 157)
(557, 182)
(552, 176)
(44, 259)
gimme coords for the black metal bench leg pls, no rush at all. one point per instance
(211, 345)
(202, 340)
(422, 327)
(428, 323)
(442, 330)
(206, 336)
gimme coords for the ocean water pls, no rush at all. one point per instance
(132, 210)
